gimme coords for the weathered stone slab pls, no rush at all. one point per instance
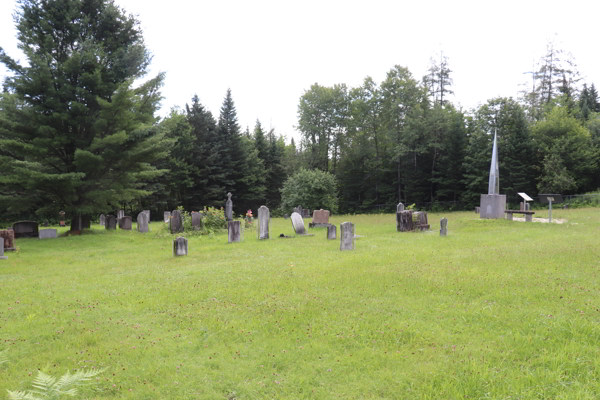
(2, 256)
(234, 231)
(286, 216)
(81, 222)
(331, 232)
(298, 224)
(120, 214)
(47, 234)
(147, 212)
(176, 222)
(142, 222)
(197, 220)
(180, 246)
(102, 219)
(9, 239)
(24, 229)
(306, 213)
(229, 208)
(492, 206)
(404, 221)
(399, 207)
(528, 217)
(320, 216)
(125, 223)
(111, 222)
(443, 227)
(167, 216)
(420, 221)
(263, 223)
(347, 236)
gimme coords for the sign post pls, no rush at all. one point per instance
(550, 198)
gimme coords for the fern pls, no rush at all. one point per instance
(49, 387)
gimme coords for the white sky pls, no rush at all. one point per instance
(270, 52)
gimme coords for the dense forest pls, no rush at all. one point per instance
(77, 135)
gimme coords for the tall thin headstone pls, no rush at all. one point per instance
(147, 212)
(176, 222)
(234, 231)
(180, 246)
(120, 214)
(443, 227)
(102, 219)
(2, 256)
(167, 217)
(399, 207)
(347, 236)
(229, 208)
(263, 223)
(197, 220)
(331, 232)
(142, 222)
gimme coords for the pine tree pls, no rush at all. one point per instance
(76, 134)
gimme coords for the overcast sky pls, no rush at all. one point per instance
(270, 52)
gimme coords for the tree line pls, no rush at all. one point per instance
(76, 133)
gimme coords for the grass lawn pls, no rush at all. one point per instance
(495, 310)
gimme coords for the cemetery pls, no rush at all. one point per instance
(174, 314)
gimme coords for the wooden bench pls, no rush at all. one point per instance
(528, 214)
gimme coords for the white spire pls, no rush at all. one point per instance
(494, 182)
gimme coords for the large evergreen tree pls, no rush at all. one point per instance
(75, 133)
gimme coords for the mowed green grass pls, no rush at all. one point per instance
(495, 310)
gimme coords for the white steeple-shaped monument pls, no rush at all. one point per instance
(493, 204)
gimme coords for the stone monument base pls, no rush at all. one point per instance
(492, 206)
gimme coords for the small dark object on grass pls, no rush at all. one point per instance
(286, 237)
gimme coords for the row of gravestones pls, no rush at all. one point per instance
(110, 222)
(407, 221)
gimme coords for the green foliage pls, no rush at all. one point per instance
(555, 177)
(50, 387)
(312, 189)
(75, 132)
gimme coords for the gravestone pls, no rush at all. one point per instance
(234, 233)
(229, 208)
(110, 222)
(306, 213)
(347, 236)
(9, 239)
(298, 210)
(493, 204)
(399, 207)
(404, 221)
(2, 256)
(331, 232)
(25, 229)
(476, 210)
(420, 221)
(527, 207)
(102, 219)
(180, 246)
(197, 220)
(120, 214)
(81, 222)
(286, 216)
(176, 222)
(167, 216)
(125, 223)
(298, 223)
(142, 222)
(521, 206)
(443, 227)
(263, 223)
(47, 234)
(320, 219)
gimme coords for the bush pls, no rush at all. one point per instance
(312, 189)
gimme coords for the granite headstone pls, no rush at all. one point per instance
(331, 232)
(263, 222)
(110, 222)
(180, 246)
(298, 224)
(176, 222)
(47, 234)
(142, 222)
(347, 236)
(234, 233)
(229, 208)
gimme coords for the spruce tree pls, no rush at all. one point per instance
(75, 133)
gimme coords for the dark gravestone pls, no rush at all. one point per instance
(102, 219)
(176, 222)
(142, 222)
(47, 234)
(24, 229)
(180, 246)
(125, 223)
(9, 239)
(404, 221)
(347, 236)
(331, 232)
(229, 208)
(111, 222)
(84, 220)
(234, 231)
(197, 220)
